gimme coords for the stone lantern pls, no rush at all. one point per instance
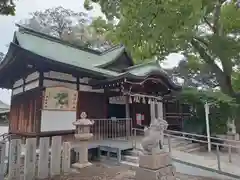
(83, 134)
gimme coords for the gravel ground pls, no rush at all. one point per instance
(110, 172)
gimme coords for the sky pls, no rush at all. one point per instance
(25, 7)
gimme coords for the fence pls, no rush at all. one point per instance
(115, 128)
(29, 162)
(218, 144)
(224, 152)
(52, 157)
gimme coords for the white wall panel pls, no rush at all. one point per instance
(87, 88)
(31, 85)
(59, 75)
(57, 120)
(32, 76)
(50, 83)
(17, 90)
(18, 83)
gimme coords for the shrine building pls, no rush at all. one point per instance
(53, 82)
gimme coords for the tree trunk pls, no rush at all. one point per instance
(237, 113)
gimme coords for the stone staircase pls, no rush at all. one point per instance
(131, 157)
(185, 146)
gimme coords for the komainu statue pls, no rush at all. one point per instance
(154, 135)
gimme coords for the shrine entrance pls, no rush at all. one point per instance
(116, 111)
(116, 107)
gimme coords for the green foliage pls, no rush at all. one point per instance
(206, 32)
(72, 27)
(222, 107)
(55, 21)
(202, 96)
(236, 80)
(7, 7)
(230, 17)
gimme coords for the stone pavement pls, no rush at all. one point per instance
(106, 172)
(209, 161)
(206, 162)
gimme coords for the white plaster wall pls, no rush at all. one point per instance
(18, 83)
(17, 90)
(50, 83)
(57, 120)
(32, 76)
(32, 85)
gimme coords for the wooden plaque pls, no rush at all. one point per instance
(60, 99)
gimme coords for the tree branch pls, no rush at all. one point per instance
(216, 16)
(208, 23)
(223, 79)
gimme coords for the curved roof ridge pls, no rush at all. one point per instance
(140, 65)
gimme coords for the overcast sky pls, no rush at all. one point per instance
(24, 7)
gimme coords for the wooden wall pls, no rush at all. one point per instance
(25, 113)
(94, 104)
(142, 109)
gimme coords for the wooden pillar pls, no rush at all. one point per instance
(152, 110)
(21, 116)
(160, 109)
(30, 119)
(127, 107)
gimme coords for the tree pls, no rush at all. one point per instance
(87, 36)
(205, 32)
(221, 110)
(7, 7)
(55, 21)
(193, 77)
(70, 26)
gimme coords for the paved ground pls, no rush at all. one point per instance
(205, 159)
(107, 172)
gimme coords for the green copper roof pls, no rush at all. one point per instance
(142, 72)
(65, 54)
(57, 50)
(145, 69)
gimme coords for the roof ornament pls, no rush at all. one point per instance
(137, 99)
(149, 101)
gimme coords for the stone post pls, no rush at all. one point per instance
(232, 135)
(83, 135)
(155, 163)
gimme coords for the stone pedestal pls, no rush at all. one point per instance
(155, 167)
(83, 156)
(235, 137)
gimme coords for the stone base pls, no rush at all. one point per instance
(166, 173)
(155, 161)
(80, 166)
(155, 167)
(235, 137)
